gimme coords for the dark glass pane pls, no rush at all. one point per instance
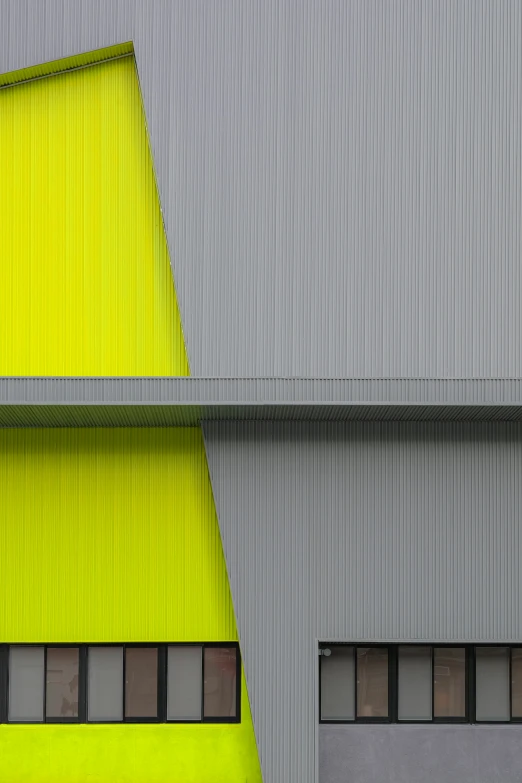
(184, 682)
(492, 683)
(141, 682)
(372, 682)
(449, 684)
(26, 683)
(105, 684)
(338, 683)
(516, 682)
(415, 683)
(219, 699)
(62, 682)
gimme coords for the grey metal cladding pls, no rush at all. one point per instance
(261, 391)
(341, 180)
(171, 402)
(185, 415)
(34, 416)
(363, 532)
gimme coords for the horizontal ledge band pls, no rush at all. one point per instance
(176, 401)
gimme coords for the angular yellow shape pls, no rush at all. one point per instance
(87, 287)
(112, 535)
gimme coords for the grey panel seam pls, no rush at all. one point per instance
(254, 391)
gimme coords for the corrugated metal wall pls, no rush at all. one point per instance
(341, 186)
(86, 283)
(341, 180)
(108, 536)
(105, 535)
(360, 532)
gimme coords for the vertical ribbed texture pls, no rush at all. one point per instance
(111, 535)
(356, 533)
(341, 180)
(86, 282)
(106, 535)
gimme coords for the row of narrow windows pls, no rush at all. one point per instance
(420, 683)
(137, 683)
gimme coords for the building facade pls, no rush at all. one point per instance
(260, 391)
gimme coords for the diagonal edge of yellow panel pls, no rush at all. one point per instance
(87, 283)
(106, 483)
(65, 64)
(111, 535)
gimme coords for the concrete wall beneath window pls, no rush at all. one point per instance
(363, 532)
(420, 754)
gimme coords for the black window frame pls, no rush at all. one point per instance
(517, 719)
(203, 719)
(218, 645)
(391, 666)
(83, 662)
(512, 720)
(393, 683)
(161, 683)
(469, 668)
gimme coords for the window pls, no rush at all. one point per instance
(354, 683)
(449, 682)
(141, 682)
(136, 683)
(420, 683)
(220, 682)
(516, 683)
(184, 684)
(338, 684)
(62, 683)
(492, 683)
(414, 680)
(105, 684)
(26, 684)
(372, 682)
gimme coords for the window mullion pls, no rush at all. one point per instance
(82, 684)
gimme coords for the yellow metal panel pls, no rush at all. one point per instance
(86, 286)
(105, 535)
(112, 535)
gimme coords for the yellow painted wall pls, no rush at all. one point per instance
(111, 535)
(105, 535)
(87, 287)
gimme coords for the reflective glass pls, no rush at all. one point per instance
(62, 682)
(219, 686)
(372, 682)
(449, 683)
(141, 682)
